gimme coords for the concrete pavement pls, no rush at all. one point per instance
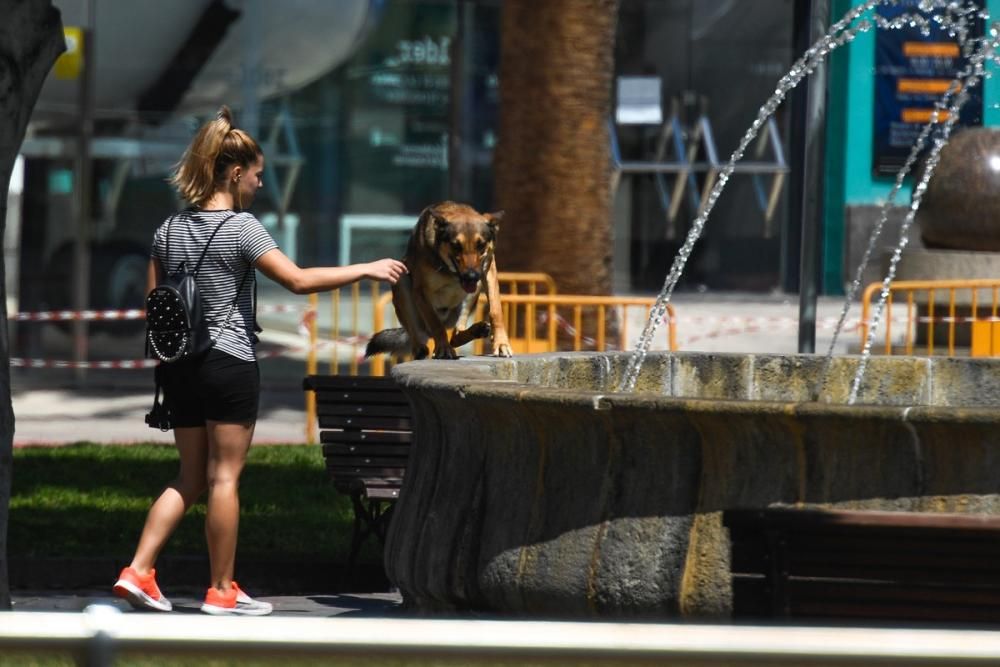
(189, 602)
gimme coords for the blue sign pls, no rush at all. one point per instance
(912, 72)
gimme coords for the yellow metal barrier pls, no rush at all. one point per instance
(561, 322)
(349, 332)
(961, 313)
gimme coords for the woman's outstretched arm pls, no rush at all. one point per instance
(278, 267)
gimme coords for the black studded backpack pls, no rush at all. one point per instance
(175, 321)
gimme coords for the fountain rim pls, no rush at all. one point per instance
(476, 377)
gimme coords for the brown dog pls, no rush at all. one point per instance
(450, 259)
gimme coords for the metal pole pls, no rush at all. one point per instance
(456, 120)
(82, 191)
(812, 182)
(251, 34)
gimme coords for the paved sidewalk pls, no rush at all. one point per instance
(189, 602)
(114, 415)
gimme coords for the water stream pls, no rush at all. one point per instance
(911, 160)
(952, 16)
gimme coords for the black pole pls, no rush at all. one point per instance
(456, 121)
(810, 256)
(82, 190)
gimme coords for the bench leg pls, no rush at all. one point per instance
(370, 518)
(778, 573)
(360, 532)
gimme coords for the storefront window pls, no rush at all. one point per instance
(716, 62)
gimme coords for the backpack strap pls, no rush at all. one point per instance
(204, 250)
(236, 299)
(166, 244)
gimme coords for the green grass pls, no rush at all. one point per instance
(91, 500)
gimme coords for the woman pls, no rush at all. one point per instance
(213, 397)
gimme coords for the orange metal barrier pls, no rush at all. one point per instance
(937, 317)
(348, 331)
(562, 322)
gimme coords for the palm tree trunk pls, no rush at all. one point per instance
(552, 159)
(31, 38)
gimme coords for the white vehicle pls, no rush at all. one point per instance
(157, 66)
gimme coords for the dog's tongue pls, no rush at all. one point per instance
(469, 286)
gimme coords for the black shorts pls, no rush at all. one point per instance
(213, 386)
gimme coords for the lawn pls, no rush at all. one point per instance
(91, 500)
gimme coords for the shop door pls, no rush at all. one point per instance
(717, 61)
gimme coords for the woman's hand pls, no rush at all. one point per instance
(389, 270)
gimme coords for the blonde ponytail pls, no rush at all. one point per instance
(215, 148)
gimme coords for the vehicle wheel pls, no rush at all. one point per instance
(117, 282)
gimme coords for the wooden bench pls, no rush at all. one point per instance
(888, 566)
(365, 430)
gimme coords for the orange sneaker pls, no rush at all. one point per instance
(141, 590)
(233, 602)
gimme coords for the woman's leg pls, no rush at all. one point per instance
(174, 501)
(228, 444)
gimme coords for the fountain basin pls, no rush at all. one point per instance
(533, 488)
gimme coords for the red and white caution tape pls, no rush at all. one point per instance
(278, 351)
(734, 326)
(59, 363)
(130, 313)
(69, 315)
(283, 308)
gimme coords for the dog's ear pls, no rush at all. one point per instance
(440, 225)
(493, 220)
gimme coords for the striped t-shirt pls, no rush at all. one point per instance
(239, 244)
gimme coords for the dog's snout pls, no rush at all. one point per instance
(471, 276)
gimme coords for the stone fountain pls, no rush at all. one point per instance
(594, 483)
(535, 488)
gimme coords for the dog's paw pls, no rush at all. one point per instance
(445, 352)
(421, 352)
(502, 350)
(480, 330)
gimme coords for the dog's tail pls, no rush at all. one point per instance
(389, 341)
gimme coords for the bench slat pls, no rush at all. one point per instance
(906, 553)
(353, 462)
(387, 482)
(803, 589)
(359, 472)
(337, 382)
(364, 397)
(335, 450)
(858, 564)
(375, 489)
(897, 612)
(361, 437)
(365, 423)
(381, 493)
(344, 409)
(830, 520)
(839, 598)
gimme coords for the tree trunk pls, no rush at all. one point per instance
(31, 38)
(552, 160)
